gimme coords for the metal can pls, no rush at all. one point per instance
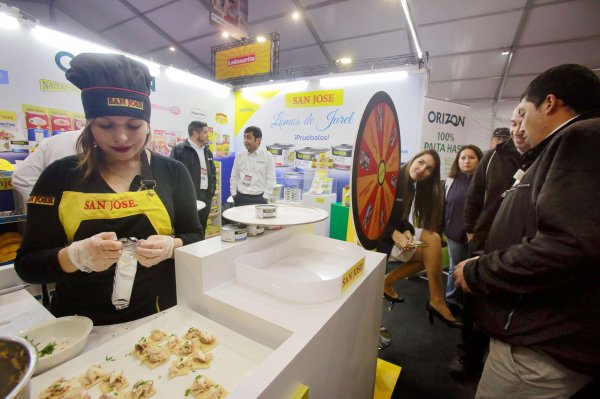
(307, 158)
(342, 156)
(283, 154)
(254, 230)
(233, 233)
(266, 211)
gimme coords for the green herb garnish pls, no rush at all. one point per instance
(48, 349)
(110, 359)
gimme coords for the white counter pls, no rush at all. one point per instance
(19, 310)
(330, 347)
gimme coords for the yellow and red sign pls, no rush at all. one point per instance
(353, 274)
(246, 60)
(320, 98)
(124, 102)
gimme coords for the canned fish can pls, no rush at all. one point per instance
(233, 233)
(342, 156)
(254, 230)
(307, 158)
(283, 154)
(266, 211)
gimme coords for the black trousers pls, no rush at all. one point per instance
(474, 342)
(248, 199)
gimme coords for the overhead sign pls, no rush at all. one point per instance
(244, 60)
(231, 15)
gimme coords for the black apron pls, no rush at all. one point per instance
(136, 214)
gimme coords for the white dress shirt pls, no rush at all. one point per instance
(253, 173)
(203, 170)
(51, 149)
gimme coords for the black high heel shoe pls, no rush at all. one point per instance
(432, 312)
(392, 300)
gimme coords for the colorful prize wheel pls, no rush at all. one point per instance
(375, 169)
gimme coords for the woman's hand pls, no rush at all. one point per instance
(402, 240)
(154, 249)
(95, 254)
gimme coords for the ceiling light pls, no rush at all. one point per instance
(505, 52)
(172, 48)
(8, 21)
(75, 45)
(253, 98)
(190, 79)
(285, 87)
(225, 34)
(351, 80)
(344, 60)
(411, 25)
(260, 39)
(67, 42)
(296, 15)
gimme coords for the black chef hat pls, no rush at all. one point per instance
(501, 132)
(111, 85)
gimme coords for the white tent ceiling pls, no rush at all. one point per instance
(463, 38)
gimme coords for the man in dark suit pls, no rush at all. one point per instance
(198, 159)
(537, 285)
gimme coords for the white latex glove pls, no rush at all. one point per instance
(154, 249)
(95, 254)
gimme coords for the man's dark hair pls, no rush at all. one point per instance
(256, 132)
(195, 125)
(576, 85)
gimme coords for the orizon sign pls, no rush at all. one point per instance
(445, 118)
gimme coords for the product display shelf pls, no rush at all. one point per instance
(13, 218)
(345, 327)
(8, 199)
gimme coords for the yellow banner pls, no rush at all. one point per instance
(247, 60)
(8, 116)
(321, 98)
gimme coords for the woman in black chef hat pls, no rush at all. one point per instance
(114, 188)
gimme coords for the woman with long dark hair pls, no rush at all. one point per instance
(418, 204)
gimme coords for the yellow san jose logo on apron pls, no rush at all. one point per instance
(76, 207)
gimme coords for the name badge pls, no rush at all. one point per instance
(203, 174)
(518, 176)
(247, 180)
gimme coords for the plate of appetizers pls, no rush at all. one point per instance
(177, 354)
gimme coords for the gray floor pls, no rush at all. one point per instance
(423, 351)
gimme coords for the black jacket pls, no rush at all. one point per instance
(397, 220)
(186, 154)
(493, 176)
(455, 191)
(540, 286)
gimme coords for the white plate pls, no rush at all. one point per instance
(68, 334)
(235, 357)
(287, 215)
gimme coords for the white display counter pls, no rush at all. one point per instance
(330, 347)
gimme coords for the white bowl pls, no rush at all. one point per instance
(69, 333)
